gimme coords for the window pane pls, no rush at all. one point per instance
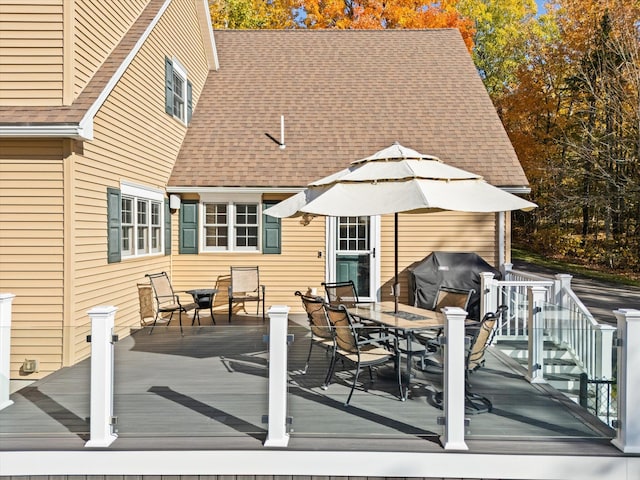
(178, 95)
(353, 233)
(246, 228)
(216, 237)
(127, 211)
(143, 240)
(155, 213)
(216, 229)
(143, 213)
(126, 240)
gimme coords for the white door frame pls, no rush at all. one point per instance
(374, 245)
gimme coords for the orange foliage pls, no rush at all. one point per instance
(387, 14)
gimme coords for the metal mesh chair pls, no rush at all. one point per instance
(358, 349)
(341, 293)
(322, 332)
(245, 287)
(480, 337)
(167, 301)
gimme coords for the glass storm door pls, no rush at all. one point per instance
(352, 247)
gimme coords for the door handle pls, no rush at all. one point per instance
(374, 253)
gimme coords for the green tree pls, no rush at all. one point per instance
(503, 29)
(253, 14)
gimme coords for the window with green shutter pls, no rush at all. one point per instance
(178, 101)
(271, 231)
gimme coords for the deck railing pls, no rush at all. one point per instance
(567, 322)
(628, 375)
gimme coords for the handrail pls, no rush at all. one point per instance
(568, 323)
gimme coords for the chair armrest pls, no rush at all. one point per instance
(386, 338)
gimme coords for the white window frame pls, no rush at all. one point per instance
(231, 200)
(181, 72)
(148, 196)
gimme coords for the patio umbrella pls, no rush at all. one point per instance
(394, 180)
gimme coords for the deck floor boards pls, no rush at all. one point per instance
(208, 389)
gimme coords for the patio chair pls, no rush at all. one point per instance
(322, 332)
(445, 297)
(480, 337)
(341, 293)
(245, 287)
(358, 349)
(167, 301)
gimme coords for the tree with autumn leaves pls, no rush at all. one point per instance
(566, 86)
(573, 116)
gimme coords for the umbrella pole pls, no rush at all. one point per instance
(396, 285)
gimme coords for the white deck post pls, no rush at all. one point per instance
(454, 365)
(277, 435)
(487, 293)
(535, 331)
(5, 348)
(604, 351)
(628, 431)
(101, 397)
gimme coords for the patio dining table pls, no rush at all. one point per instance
(406, 321)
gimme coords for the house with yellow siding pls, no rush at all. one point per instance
(95, 100)
(135, 139)
(110, 109)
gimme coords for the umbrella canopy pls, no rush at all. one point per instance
(398, 179)
(394, 180)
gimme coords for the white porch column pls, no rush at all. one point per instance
(5, 348)
(101, 409)
(535, 331)
(277, 435)
(454, 365)
(628, 431)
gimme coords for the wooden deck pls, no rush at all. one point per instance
(208, 390)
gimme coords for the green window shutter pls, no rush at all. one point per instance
(114, 206)
(167, 227)
(271, 231)
(168, 86)
(189, 101)
(189, 226)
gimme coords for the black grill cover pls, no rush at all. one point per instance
(448, 269)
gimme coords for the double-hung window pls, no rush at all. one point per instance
(231, 224)
(141, 220)
(178, 91)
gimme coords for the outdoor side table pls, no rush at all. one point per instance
(203, 298)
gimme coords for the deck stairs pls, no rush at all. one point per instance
(561, 369)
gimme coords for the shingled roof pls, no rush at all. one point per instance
(344, 95)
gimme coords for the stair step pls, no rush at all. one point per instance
(556, 354)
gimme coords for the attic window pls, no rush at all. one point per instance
(178, 91)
